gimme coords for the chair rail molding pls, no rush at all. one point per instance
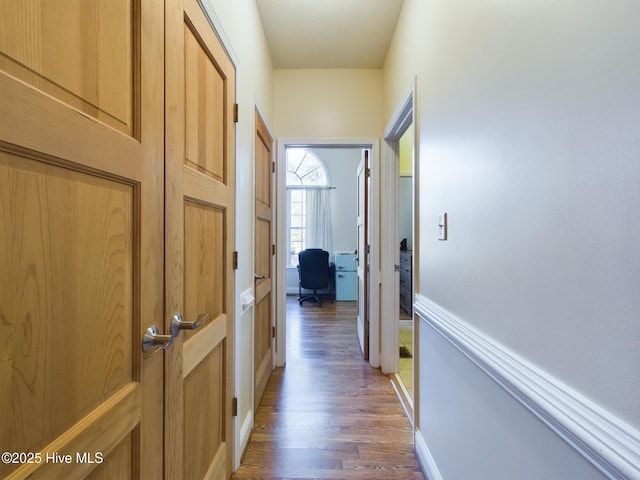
(609, 443)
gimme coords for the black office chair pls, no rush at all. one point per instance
(313, 269)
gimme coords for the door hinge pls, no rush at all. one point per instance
(235, 260)
(396, 268)
(273, 331)
(273, 249)
(368, 172)
(235, 113)
(273, 167)
(367, 249)
(234, 407)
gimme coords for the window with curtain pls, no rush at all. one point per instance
(308, 204)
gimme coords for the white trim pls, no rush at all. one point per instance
(281, 254)
(209, 11)
(245, 434)
(239, 441)
(609, 443)
(390, 289)
(403, 116)
(258, 107)
(425, 459)
(374, 240)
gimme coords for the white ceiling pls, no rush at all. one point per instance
(329, 33)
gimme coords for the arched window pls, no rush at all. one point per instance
(304, 168)
(304, 171)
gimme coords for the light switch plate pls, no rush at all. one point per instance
(442, 226)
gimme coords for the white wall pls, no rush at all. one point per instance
(527, 130)
(341, 164)
(244, 36)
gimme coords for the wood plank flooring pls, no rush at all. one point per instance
(328, 414)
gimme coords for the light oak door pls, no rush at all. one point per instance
(200, 217)
(363, 254)
(264, 332)
(81, 237)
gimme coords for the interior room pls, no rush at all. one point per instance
(340, 165)
(405, 233)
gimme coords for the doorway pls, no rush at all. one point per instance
(340, 160)
(401, 258)
(405, 233)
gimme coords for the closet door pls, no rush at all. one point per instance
(81, 237)
(200, 196)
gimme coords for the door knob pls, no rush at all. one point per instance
(177, 323)
(154, 342)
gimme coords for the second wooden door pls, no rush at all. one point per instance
(264, 331)
(199, 243)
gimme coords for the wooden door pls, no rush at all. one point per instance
(200, 197)
(363, 254)
(81, 237)
(264, 327)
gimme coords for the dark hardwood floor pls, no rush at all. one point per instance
(328, 414)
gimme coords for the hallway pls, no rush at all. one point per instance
(327, 414)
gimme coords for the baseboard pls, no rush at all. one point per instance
(403, 396)
(245, 431)
(425, 459)
(609, 443)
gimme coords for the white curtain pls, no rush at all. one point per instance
(319, 230)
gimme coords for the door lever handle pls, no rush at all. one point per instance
(258, 277)
(153, 342)
(177, 323)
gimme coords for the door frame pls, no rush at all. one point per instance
(374, 239)
(402, 118)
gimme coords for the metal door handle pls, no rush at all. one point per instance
(258, 277)
(153, 342)
(177, 323)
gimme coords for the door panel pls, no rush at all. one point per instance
(116, 465)
(200, 196)
(78, 52)
(204, 97)
(204, 421)
(203, 360)
(204, 285)
(263, 312)
(81, 259)
(363, 257)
